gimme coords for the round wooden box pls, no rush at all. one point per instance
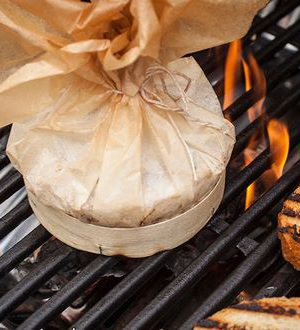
(130, 242)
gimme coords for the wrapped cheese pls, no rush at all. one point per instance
(122, 145)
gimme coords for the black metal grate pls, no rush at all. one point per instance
(147, 297)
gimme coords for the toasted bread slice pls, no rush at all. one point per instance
(264, 314)
(289, 229)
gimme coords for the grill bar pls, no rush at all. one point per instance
(243, 138)
(250, 173)
(43, 272)
(262, 24)
(12, 219)
(248, 99)
(10, 184)
(68, 293)
(281, 284)
(246, 176)
(236, 281)
(23, 249)
(259, 26)
(276, 30)
(3, 160)
(290, 67)
(4, 132)
(281, 40)
(192, 274)
(267, 52)
(122, 292)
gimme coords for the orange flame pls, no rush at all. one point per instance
(254, 78)
(249, 155)
(277, 131)
(247, 74)
(279, 145)
(232, 72)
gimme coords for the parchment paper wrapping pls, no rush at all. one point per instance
(90, 138)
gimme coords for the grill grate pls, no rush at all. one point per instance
(131, 303)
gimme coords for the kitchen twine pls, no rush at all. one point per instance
(151, 97)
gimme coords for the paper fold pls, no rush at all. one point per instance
(93, 140)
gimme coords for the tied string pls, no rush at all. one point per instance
(149, 95)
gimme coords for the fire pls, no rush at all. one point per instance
(254, 77)
(232, 72)
(279, 145)
(247, 74)
(277, 131)
(249, 155)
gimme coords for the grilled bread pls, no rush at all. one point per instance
(289, 229)
(264, 314)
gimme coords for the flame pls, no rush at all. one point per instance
(279, 145)
(277, 131)
(255, 78)
(247, 74)
(232, 72)
(249, 155)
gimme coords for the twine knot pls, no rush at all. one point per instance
(149, 95)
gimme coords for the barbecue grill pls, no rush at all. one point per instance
(236, 255)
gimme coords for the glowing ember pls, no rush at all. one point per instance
(232, 72)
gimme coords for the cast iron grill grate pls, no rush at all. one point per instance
(243, 242)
